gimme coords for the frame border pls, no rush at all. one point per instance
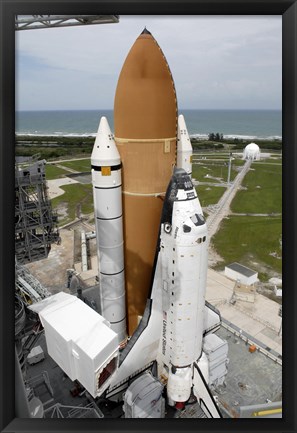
(288, 10)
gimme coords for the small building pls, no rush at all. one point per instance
(251, 151)
(241, 273)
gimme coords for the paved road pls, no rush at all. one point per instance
(222, 208)
(276, 214)
(60, 161)
(67, 168)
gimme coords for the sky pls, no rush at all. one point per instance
(217, 62)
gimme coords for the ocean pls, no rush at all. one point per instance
(249, 124)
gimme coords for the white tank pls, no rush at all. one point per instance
(251, 151)
(107, 192)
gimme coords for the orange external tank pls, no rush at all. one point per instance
(145, 125)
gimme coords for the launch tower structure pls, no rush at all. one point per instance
(29, 22)
(35, 222)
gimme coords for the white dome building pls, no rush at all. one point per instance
(251, 151)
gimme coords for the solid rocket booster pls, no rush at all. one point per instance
(184, 146)
(183, 251)
(107, 193)
(145, 122)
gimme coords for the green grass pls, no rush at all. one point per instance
(208, 157)
(75, 194)
(53, 172)
(80, 165)
(273, 161)
(249, 241)
(238, 162)
(215, 169)
(209, 194)
(200, 171)
(264, 190)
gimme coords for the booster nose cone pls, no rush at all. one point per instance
(105, 152)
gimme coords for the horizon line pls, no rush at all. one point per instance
(180, 109)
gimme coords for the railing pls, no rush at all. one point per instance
(252, 341)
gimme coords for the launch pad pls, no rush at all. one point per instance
(260, 379)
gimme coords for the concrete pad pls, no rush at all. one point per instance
(259, 319)
(51, 271)
(54, 186)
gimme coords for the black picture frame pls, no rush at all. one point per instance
(288, 10)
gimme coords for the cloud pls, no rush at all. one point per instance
(215, 61)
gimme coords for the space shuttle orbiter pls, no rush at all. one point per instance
(176, 318)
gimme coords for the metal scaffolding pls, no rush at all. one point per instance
(28, 287)
(29, 22)
(61, 411)
(35, 223)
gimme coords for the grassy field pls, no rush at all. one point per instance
(53, 172)
(200, 171)
(264, 190)
(215, 169)
(209, 194)
(250, 241)
(79, 165)
(277, 160)
(66, 204)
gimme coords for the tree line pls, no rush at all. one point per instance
(215, 136)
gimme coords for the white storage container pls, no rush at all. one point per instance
(79, 340)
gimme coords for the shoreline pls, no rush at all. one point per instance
(196, 136)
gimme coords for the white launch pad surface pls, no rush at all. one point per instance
(259, 319)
